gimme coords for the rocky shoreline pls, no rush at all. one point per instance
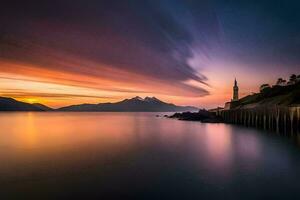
(202, 116)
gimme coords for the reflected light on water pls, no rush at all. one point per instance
(218, 144)
(137, 152)
(29, 138)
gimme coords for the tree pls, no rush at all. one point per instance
(264, 86)
(280, 82)
(293, 78)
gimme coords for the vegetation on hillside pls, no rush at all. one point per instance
(283, 93)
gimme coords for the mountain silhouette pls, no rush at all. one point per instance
(10, 104)
(42, 106)
(136, 104)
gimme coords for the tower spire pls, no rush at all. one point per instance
(235, 91)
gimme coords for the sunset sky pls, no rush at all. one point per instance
(188, 52)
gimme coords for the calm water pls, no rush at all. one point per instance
(138, 155)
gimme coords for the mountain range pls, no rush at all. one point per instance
(136, 104)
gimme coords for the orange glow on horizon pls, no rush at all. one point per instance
(32, 100)
(56, 88)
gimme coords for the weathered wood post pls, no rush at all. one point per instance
(256, 119)
(228, 116)
(264, 119)
(245, 118)
(249, 118)
(234, 117)
(252, 118)
(284, 122)
(277, 119)
(270, 118)
(291, 111)
(298, 119)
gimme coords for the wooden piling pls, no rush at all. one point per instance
(277, 118)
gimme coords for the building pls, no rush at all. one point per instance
(235, 91)
(235, 97)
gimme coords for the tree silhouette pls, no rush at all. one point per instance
(264, 86)
(280, 81)
(293, 78)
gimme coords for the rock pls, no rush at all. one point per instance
(202, 116)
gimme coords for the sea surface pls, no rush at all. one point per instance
(141, 156)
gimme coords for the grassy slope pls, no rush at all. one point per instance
(277, 95)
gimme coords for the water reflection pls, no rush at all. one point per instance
(138, 154)
(218, 143)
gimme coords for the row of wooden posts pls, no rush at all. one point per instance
(279, 119)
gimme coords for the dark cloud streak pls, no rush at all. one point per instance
(141, 37)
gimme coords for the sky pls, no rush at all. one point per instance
(187, 52)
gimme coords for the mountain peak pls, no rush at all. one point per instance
(137, 98)
(152, 99)
(146, 99)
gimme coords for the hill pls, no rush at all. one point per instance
(277, 95)
(10, 104)
(136, 104)
(42, 106)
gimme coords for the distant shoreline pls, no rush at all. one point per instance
(136, 104)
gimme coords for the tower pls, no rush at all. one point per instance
(235, 91)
